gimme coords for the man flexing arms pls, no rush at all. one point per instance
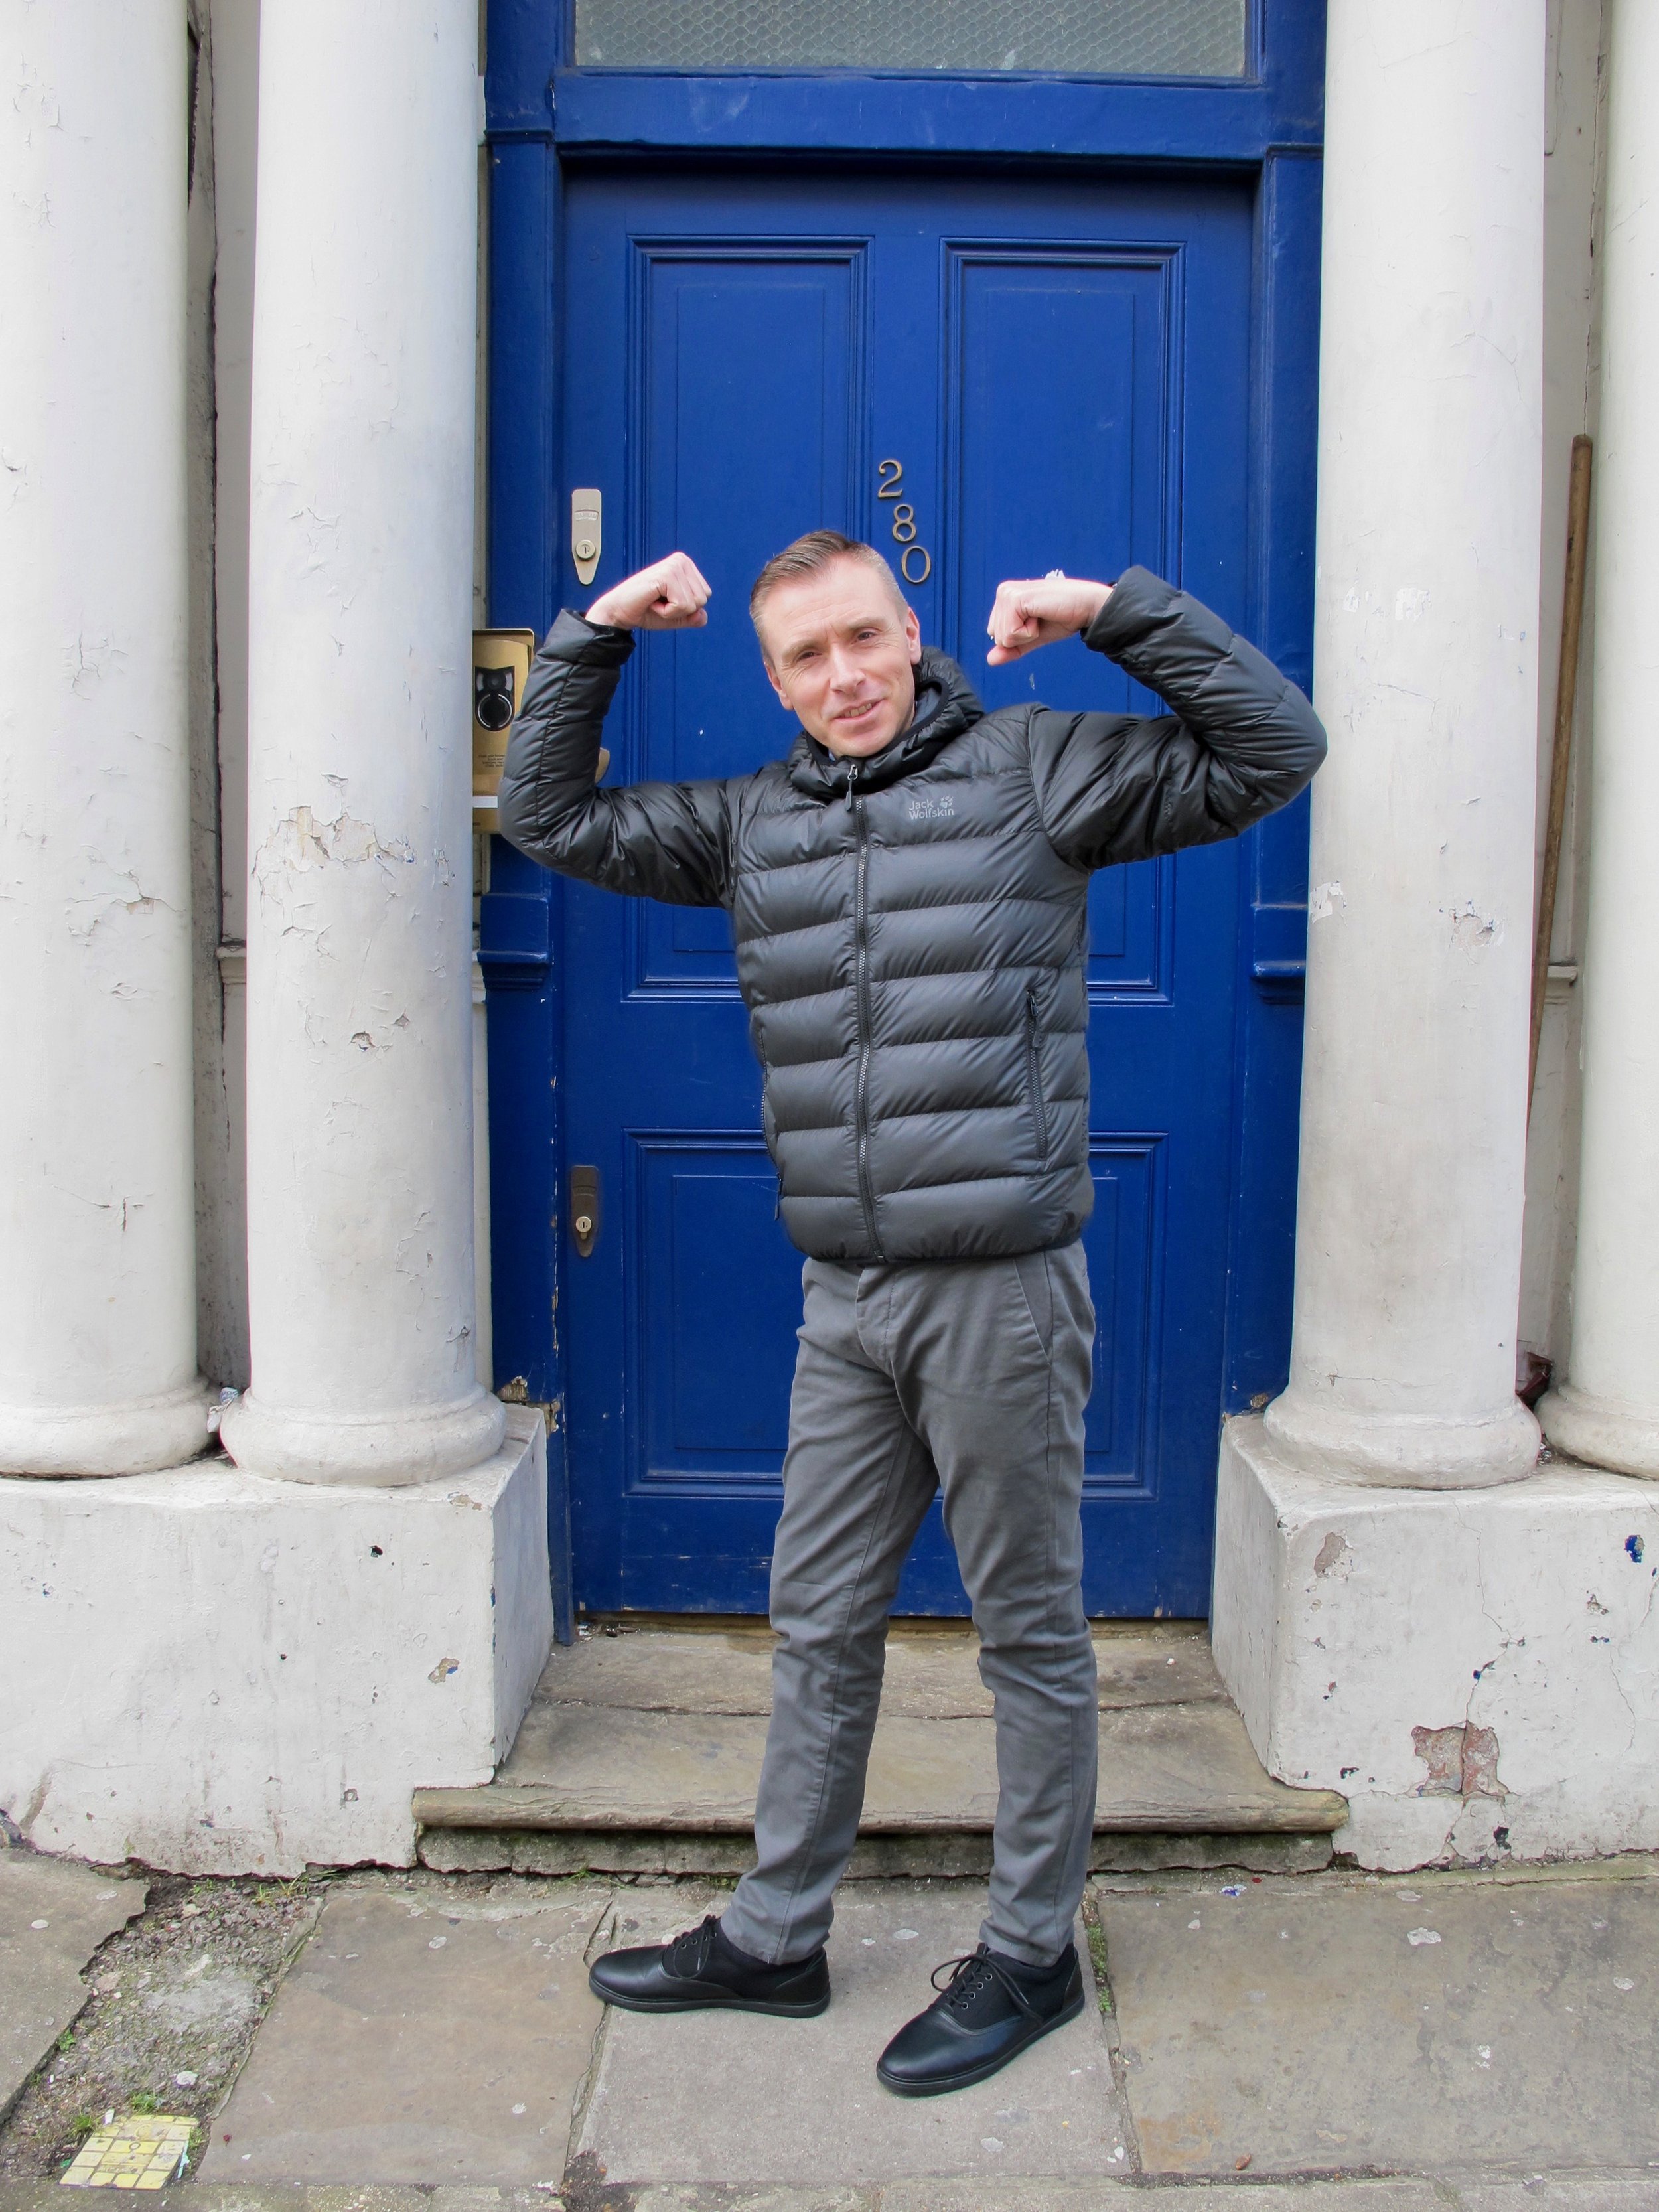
(908, 892)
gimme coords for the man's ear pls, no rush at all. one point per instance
(912, 634)
(772, 678)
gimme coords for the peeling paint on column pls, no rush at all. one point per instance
(1472, 930)
(300, 841)
(1326, 897)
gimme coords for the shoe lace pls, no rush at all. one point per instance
(967, 1979)
(688, 1955)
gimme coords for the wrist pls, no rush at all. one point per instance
(605, 614)
(1094, 597)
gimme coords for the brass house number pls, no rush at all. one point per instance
(890, 475)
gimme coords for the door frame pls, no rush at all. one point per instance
(542, 114)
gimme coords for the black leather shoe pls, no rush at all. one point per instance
(986, 2014)
(701, 1971)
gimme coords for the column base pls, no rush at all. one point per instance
(1601, 1434)
(135, 1438)
(1400, 1451)
(375, 1449)
(1476, 1675)
(217, 1673)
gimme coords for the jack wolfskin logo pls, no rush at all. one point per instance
(922, 808)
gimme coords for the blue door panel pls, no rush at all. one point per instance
(988, 377)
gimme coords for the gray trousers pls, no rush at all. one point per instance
(969, 1377)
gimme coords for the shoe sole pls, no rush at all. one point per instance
(810, 2010)
(942, 2085)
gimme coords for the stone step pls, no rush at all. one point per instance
(642, 1750)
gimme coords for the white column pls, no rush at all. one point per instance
(1608, 1410)
(97, 1201)
(360, 1052)
(1413, 1106)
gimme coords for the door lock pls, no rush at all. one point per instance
(587, 532)
(585, 1210)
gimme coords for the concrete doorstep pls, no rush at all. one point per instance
(642, 1750)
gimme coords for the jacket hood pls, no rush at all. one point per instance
(946, 705)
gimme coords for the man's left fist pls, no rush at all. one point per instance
(1039, 611)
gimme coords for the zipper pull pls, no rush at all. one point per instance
(851, 784)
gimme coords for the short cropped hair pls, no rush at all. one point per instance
(808, 557)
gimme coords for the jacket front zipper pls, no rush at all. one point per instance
(1034, 1076)
(861, 942)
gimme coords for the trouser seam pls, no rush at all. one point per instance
(1061, 1868)
(876, 1521)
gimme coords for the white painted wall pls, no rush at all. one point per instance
(1605, 1410)
(221, 309)
(1575, 159)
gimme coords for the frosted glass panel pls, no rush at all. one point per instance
(1086, 38)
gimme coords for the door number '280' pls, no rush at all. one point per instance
(891, 475)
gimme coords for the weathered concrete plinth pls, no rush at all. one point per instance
(217, 1673)
(1477, 1672)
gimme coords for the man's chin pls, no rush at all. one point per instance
(863, 747)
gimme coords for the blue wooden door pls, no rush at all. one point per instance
(988, 377)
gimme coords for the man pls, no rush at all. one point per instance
(908, 893)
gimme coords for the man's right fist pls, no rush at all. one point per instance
(670, 594)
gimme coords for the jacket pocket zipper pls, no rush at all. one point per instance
(1034, 1076)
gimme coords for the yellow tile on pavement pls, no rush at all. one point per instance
(144, 2150)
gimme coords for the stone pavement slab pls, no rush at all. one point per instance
(712, 2099)
(421, 2037)
(1436, 2021)
(53, 1916)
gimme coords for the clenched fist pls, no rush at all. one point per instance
(1039, 611)
(670, 594)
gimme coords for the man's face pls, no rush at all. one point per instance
(840, 649)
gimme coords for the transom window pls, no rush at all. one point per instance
(1069, 38)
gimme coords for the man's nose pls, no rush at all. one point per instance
(845, 674)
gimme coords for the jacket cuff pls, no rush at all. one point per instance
(591, 645)
(1138, 599)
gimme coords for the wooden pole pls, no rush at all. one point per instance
(1566, 692)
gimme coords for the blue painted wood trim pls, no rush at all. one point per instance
(1275, 886)
(526, 43)
(1071, 118)
(530, 89)
(522, 912)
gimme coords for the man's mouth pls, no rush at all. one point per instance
(859, 713)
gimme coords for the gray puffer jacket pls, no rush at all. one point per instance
(911, 928)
